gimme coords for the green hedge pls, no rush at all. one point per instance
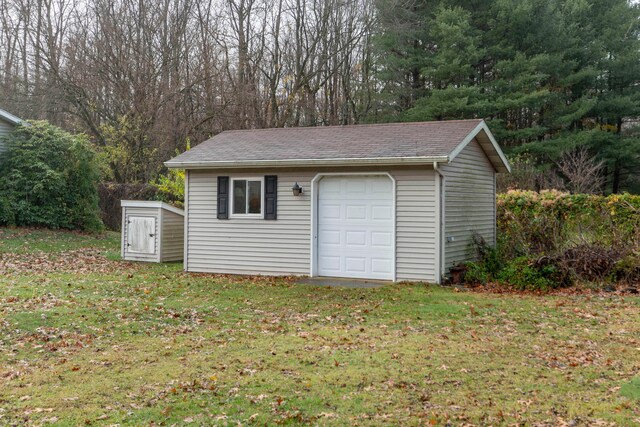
(552, 239)
(540, 223)
(48, 178)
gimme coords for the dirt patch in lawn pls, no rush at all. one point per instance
(73, 261)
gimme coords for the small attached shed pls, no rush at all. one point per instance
(397, 201)
(152, 231)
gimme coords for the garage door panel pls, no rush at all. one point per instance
(329, 263)
(355, 227)
(329, 237)
(332, 187)
(330, 211)
(381, 266)
(382, 187)
(381, 213)
(356, 238)
(356, 186)
(356, 264)
(381, 239)
(356, 212)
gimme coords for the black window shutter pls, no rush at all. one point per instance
(270, 197)
(223, 197)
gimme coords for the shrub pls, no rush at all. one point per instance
(110, 195)
(491, 257)
(524, 273)
(170, 187)
(48, 178)
(490, 262)
(554, 238)
(627, 269)
(541, 223)
(476, 274)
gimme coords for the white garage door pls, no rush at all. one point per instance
(355, 227)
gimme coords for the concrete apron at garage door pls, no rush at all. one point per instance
(342, 282)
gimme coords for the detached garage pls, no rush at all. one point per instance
(393, 202)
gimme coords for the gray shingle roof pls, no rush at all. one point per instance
(381, 143)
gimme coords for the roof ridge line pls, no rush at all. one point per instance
(429, 122)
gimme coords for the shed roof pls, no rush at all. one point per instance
(382, 144)
(150, 204)
(8, 117)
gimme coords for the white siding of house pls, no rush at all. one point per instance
(144, 212)
(282, 247)
(248, 245)
(416, 225)
(469, 203)
(5, 129)
(172, 247)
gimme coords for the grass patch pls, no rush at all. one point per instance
(631, 389)
(30, 240)
(137, 344)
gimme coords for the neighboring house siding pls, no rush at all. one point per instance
(258, 246)
(146, 212)
(469, 203)
(5, 129)
(172, 236)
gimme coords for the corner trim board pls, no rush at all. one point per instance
(185, 242)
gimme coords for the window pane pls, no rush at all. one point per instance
(239, 196)
(255, 199)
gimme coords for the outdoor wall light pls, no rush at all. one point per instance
(297, 190)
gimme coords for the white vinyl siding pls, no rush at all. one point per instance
(416, 225)
(248, 245)
(5, 129)
(172, 236)
(282, 247)
(469, 204)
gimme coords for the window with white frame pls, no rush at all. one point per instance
(246, 198)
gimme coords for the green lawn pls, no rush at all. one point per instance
(86, 339)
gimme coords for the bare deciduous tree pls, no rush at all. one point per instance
(583, 173)
(143, 77)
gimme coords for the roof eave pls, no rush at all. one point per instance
(150, 204)
(379, 161)
(8, 117)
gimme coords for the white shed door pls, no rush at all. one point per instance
(355, 227)
(141, 234)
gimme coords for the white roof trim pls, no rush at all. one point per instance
(482, 127)
(306, 162)
(150, 204)
(7, 116)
